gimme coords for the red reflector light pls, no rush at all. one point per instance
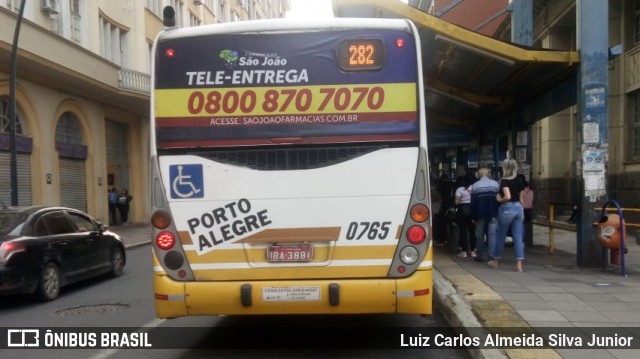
(421, 292)
(169, 52)
(165, 240)
(416, 234)
(161, 296)
(400, 42)
(182, 273)
(401, 269)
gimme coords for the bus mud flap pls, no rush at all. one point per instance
(245, 295)
(334, 294)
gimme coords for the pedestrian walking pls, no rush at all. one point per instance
(124, 199)
(484, 213)
(466, 235)
(113, 199)
(510, 214)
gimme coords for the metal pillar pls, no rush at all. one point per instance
(593, 93)
(13, 69)
(522, 33)
(522, 22)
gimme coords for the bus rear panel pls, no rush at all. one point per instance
(289, 169)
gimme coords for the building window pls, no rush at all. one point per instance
(212, 5)
(68, 129)
(222, 16)
(154, 6)
(5, 121)
(75, 21)
(634, 112)
(179, 8)
(113, 42)
(636, 21)
(193, 20)
(13, 5)
(149, 55)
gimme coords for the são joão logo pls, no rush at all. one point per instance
(232, 59)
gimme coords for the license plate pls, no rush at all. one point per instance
(294, 253)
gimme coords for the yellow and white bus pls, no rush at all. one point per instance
(289, 169)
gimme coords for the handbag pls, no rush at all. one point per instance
(451, 214)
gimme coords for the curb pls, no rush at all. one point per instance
(136, 245)
(459, 314)
(471, 307)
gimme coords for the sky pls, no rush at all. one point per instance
(304, 9)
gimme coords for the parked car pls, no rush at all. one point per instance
(43, 249)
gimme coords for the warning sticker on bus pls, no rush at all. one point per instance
(291, 294)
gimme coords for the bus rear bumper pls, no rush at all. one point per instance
(349, 296)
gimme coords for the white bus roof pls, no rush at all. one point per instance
(286, 25)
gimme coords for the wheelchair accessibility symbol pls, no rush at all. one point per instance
(186, 181)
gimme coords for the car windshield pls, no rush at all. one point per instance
(10, 220)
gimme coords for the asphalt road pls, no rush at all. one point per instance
(126, 302)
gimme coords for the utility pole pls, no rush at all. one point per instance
(12, 107)
(593, 98)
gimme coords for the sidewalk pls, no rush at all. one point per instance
(552, 292)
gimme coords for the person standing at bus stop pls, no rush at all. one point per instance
(123, 205)
(510, 214)
(466, 233)
(113, 205)
(484, 212)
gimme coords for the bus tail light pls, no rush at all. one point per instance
(419, 213)
(161, 219)
(416, 235)
(409, 255)
(165, 240)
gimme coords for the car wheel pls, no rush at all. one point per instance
(50, 282)
(117, 262)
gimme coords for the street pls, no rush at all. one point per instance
(126, 302)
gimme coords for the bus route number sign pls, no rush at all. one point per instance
(361, 54)
(290, 253)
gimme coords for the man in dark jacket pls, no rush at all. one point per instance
(484, 212)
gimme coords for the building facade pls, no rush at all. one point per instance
(82, 94)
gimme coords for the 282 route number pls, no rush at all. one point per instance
(369, 230)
